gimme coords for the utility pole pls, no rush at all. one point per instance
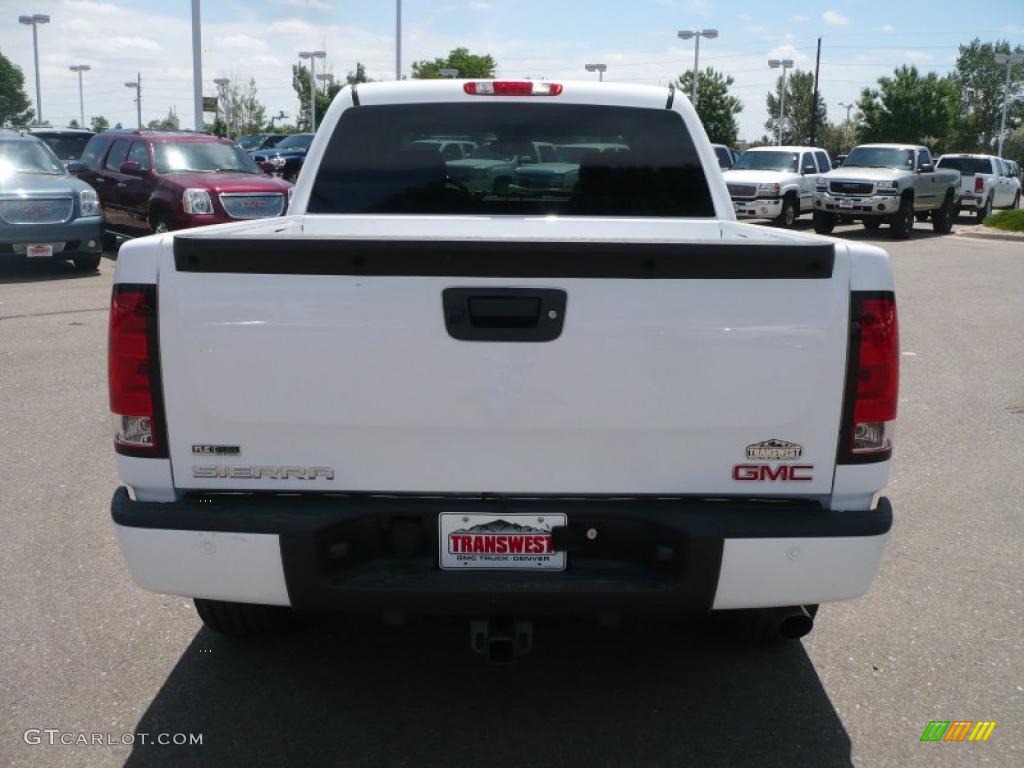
(80, 68)
(34, 21)
(137, 85)
(1009, 60)
(197, 66)
(696, 34)
(814, 101)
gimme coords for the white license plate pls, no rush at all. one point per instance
(846, 203)
(470, 541)
(39, 251)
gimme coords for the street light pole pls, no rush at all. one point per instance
(312, 56)
(1009, 60)
(80, 68)
(35, 20)
(696, 34)
(398, 39)
(785, 64)
(599, 68)
(137, 85)
(197, 66)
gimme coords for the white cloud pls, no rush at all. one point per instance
(86, 6)
(481, 7)
(801, 19)
(835, 19)
(887, 29)
(314, 5)
(239, 41)
(138, 43)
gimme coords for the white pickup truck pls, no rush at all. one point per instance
(406, 399)
(985, 183)
(776, 182)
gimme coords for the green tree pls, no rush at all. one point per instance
(980, 83)
(14, 104)
(324, 96)
(1013, 145)
(468, 64)
(715, 107)
(98, 123)
(836, 139)
(909, 107)
(796, 125)
(73, 123)
(169, 123)
(239, 109)
(358, 76)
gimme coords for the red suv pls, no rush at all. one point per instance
(155, 181)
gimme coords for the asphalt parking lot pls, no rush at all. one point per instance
(939, 637)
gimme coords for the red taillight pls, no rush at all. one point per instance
(133, 373)
(979, 184)
(872, 384)
(512, 88)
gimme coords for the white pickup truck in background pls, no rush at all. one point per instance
(776, 182)
(986, 182)
(405, 398)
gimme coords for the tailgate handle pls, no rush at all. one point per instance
(504, 314)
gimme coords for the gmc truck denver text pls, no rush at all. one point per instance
(406, 398)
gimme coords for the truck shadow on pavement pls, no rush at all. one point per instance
(39, 271)
(643, 695)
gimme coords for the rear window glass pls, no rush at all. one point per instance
(529, 159)
(68, 147)
(967, 165)
(94, 150)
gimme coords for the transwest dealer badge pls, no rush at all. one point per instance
(774, 450)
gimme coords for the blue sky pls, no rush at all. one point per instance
(552, 38)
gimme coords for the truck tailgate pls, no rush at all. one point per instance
(301, 363)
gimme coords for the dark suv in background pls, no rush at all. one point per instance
(155, 181)
(285, 160)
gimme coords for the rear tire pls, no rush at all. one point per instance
(872, 224)
(984, 212)
(789, 213)
(87, 263)
(243, 619)
(902, 222)
(942, 218)
(1016, 202)
(823, 222)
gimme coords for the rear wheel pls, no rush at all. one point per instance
(872, 224)
(243, 619)
(88, 263)
(942, 218)
(823, 222)
(1016, 202)
(985, 211)
(788, 216)
(902, 222)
